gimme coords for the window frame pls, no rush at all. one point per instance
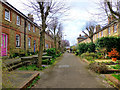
(9, 14)
(101, 33)
(29, 42)
(29, 26)
(18, 40)
(34, 29)
(115, 29)
(109, 31)
(17, 20)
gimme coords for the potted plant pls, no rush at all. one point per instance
(113, 54)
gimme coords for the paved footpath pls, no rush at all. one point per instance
(70, 72)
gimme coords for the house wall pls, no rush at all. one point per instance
(11, 29)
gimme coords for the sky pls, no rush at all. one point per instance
(80, 12)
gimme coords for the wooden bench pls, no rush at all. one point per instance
(33, 59)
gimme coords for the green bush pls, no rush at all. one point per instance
(86, 47)
(82, 48)
(51, 52)
(109, 43)
(89, 56)
(98, 67)
(91, 47)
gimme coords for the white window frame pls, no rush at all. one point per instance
(29, 42)
(18, 41)
(109, 30)
(29, 26)
(33, 28)
(18, 20)
(101, 33)
(9, 15)
(115, 28)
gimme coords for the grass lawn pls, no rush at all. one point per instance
(116, 67)
(32, 68)
(116, 76)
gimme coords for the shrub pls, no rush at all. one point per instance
(113, 53)
(91, 47)
(82, 47)
(98, 67)
(109, 43)
(87, 54)
(51, 52)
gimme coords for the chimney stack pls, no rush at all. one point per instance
(31, 17)
(80, 35)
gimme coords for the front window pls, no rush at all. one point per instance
(29, 26)
(7, 14)
(18, 20)
(29, 44)
(109, 30)
(115, 28)
(17, 40)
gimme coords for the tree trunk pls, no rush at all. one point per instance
(40, 51)
(91, 38)
(41, 47)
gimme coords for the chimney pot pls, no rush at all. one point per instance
(31, 17)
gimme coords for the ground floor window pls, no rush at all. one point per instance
(17, 40)
(29, 42)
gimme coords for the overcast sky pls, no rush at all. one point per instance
(79, 15)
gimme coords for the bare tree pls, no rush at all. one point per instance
(45, 10)
(90, 27)
(59, 35)
(56, 29)
(113, 8)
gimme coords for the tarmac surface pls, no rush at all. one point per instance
(71, 72)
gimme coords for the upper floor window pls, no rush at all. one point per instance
(29, 26)
(33, 28)
(115, 28)
(98, 35)
(109, 30)
(29, 42)
(101, 33)
(7, 14)
(18, 20)
(17, 40)
(94, 37)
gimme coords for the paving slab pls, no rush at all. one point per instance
(18, 79)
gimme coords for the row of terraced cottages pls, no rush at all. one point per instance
(112, 29)
(18, 32)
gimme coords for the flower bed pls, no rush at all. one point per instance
(32, 67)
(116, 67)
(116, 76)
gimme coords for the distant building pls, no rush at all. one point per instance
(112, 29)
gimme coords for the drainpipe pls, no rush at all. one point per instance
(25, 25)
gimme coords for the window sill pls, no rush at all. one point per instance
(7, 20)
(18, 47)
(18, 25)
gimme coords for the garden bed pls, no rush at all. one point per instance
(115, 78)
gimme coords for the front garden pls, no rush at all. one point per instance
(28, 65)
(103, 56)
